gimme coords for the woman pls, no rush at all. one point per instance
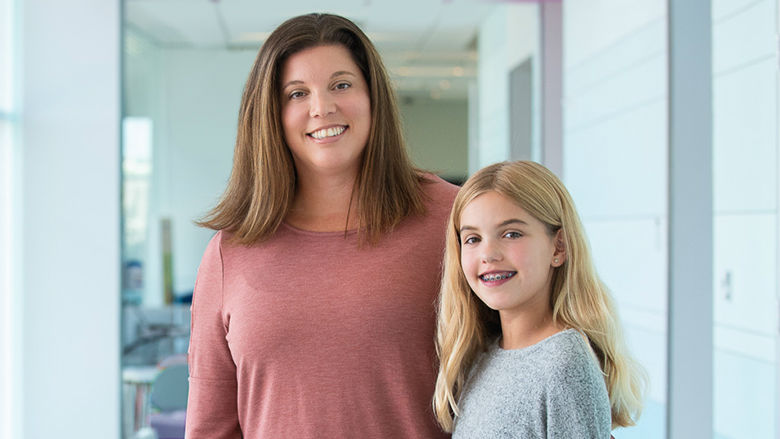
(313, 313)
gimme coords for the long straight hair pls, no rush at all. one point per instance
(578, 298)
(262, 183)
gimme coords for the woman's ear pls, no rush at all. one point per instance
(559, 257)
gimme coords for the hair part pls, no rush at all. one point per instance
(578, 298)
(262, 183)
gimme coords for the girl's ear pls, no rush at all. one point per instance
(559, 257)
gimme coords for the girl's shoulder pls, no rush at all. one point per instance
(566, 348)
(568, 360)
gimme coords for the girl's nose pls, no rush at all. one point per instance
(490, 253)
(322, 104)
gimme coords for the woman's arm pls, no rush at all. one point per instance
(212, 411)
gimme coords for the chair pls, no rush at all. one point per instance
(169, 398)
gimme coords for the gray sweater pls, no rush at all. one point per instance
(553, 389)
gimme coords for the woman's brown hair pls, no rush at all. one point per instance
(263, 180)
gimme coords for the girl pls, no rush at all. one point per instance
(528, 339)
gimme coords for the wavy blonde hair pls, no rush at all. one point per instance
(578, 298)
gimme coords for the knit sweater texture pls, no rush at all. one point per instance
(308, 335)
(553, 389)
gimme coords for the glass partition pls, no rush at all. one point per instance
(185, 65)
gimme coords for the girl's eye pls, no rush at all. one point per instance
(512, 235)
(343, 85)
(296, 94)
(471, 240)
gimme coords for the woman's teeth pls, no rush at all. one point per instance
(495, 277)
(328, 132)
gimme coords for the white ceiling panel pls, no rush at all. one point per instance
(428, 45)
(176, 22)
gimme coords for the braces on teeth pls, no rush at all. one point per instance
(492, 277)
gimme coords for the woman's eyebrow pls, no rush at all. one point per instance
(293, 82)
(335, 74)
(341, 72)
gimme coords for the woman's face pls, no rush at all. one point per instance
(326, 110)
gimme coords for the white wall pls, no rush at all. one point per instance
(202, 93)
(437, 135)
(70, 211)
(193, 98)
(508, 36)
(745, 168)
(615, 165)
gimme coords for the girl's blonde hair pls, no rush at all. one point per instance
(263, 180)
(578, 297)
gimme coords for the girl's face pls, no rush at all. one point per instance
(326, 110)
(507, 255)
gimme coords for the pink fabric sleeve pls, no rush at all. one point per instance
(212, 410)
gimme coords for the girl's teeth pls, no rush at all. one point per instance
(494, 277)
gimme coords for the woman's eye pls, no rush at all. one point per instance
(296, 94)
(512, 235)
(343, 85)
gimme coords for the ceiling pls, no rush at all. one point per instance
(429, 46)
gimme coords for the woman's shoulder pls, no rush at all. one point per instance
(437, 190)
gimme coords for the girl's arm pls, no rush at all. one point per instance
(212, 410)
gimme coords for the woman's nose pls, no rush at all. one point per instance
(322, 104)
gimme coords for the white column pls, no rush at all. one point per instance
(777, 216)
(71, 216)
(551, 16)
(690, 358)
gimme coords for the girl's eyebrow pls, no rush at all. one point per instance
(464, 228)
(501, 224)
(513, 221)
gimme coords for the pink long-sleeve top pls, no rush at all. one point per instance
(308, 336)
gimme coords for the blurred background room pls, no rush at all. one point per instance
(117, 127)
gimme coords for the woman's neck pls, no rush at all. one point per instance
(321, 204)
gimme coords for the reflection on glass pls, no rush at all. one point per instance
(136, 168)
(182, 87)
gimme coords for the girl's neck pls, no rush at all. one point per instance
(321, 204)
(526, 329)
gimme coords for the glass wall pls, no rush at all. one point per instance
(183, 78)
